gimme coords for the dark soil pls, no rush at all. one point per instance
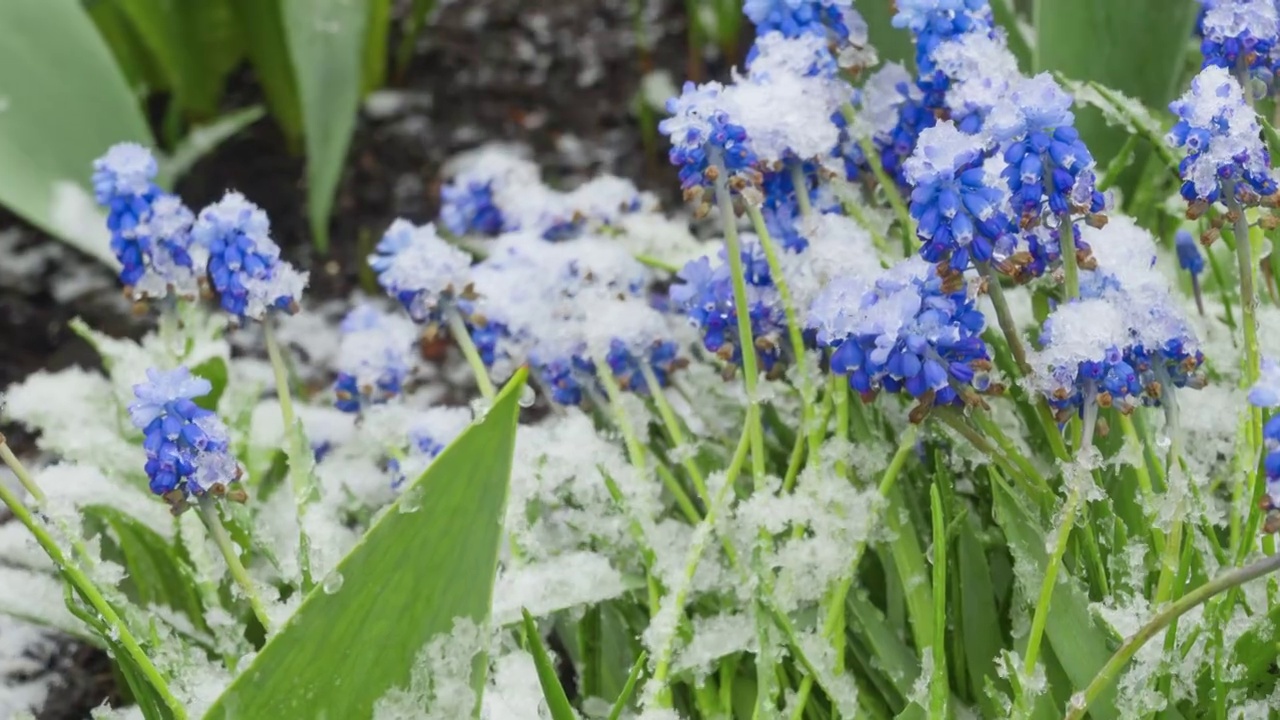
(557, 75)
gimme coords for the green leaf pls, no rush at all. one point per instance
(261, 24)
(156, 572)
(418, 16)
(1079, 644)
(63, 102)
(326, 41)
(1135, 46)
(1125, 113)
(891, 43)
(375, 46)
(552, 690)
(202, 140)
(629, 689)
(977, 616)
(215, 371)
(410, 576)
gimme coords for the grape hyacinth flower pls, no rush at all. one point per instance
(1239, 33)
(892, 112)
(426, 274)
(904, 331)
(1048, 163)
(982, 72)
(150, 229)
(699, 126)
(374, 358)
(705, 295)
(186, 445)
(1266, 394)
(1222, 137)
(960, 214)
(934, 22)
(833, 21)
(245, 268)
(1083, 363)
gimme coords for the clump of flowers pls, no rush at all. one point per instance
(245, 268)
(1238, 33)
(904, 331)
(422, 271)
(186, 445)
(960, 213)
(374, 359)
(1222, 137)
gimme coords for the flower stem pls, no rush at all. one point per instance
(1072, 505)
(1235, 578)
(299, 479)
(802, 190)
(1004, 317)
(89, 592)
(794, 330)
(672, 425)
(213, 523)
(24, 477)
(750, 370)
(458, 328)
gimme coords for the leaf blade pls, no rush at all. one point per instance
(552, 690)
(404, 583)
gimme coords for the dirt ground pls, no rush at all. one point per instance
(558, 75)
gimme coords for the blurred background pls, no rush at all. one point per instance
(336, 116)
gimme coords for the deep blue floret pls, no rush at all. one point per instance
(1189, 257)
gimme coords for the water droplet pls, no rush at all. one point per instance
(479, 409)
(1163, 442)
(332, 582)
(527, 397)
(411, 501)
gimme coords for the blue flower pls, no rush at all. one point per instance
(467, 206)
(1047, 160)
(706, 297)
(893, 110)
(834, 21)
(698, 127)
(186, 445)
(1222, 137)
(1271, 464)
(934, 22)
(374, 358)
(959, 213)
(1083, 358)
(245, 268)
(1189, 257)
(429, 433)
(1239, 29)
(418, 268)
(903, 331)
(150, 229)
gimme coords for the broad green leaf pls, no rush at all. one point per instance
(552, 690)
(125, 44)
(63, 102)
(1079, 644)
(326, 42)
(431, 558)
(1137, 47)
(261, 23)
(202, 140)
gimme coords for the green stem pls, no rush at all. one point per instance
(750, 370)
(887, 183)
(675, 432)
(209, 515)
(1080, 702)
(802, 190)
(458, 328)
(299, 480)
(1004, 317)
(24, 477)
(635, 449)
(662, 656)
(1142, 474)
(794, 330)
(87, 590)
(1041, 615)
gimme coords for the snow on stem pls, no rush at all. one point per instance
(230, 552)
(299, 474)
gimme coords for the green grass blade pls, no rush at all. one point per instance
(326, 42)
(978, 618)
(410, 576)
(56, 71)
(261, 22)
(418, 16)
(552, 690)
(1077, 641)
(629, 689)
(939, 685)
(203, 140)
